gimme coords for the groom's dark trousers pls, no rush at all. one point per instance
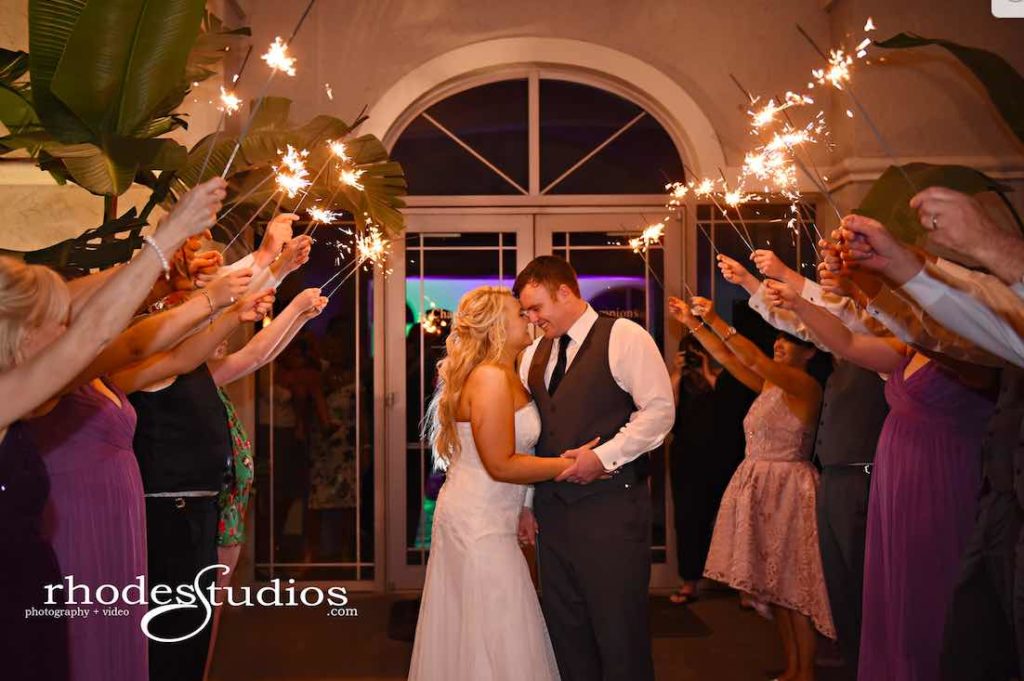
(594, 543)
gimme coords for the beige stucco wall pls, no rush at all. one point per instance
(926, 107)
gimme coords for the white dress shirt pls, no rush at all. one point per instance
(975, 305)
(845, 309)
(638, 368)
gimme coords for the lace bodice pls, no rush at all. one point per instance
(774, 432)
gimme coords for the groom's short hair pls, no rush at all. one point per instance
(548, 271)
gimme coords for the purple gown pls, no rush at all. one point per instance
(30, 647)
(924, 492)
(96, 522)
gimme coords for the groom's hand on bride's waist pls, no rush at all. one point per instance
(587, 467)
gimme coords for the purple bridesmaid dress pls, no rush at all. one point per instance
(96, 522)
(924, 492)
(30, 647)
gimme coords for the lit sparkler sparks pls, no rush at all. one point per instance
(323, 215)
(339, 150)
(766, 115)
(277, 57)
(838, 71)
(651, 235)
(230, 103)
(329, 91)
(292, 176)
(676, 193)
(372, 247)
(352, 177)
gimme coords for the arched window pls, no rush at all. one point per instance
(558, 137)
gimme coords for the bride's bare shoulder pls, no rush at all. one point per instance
(488, 377)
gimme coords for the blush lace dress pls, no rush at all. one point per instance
(766, 536)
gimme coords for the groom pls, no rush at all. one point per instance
(593, 376)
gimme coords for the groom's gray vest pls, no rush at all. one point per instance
(588, 404)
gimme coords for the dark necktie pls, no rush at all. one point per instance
(563, 359)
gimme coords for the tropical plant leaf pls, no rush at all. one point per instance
(92, 169)
(1004, 84)
(16, 113)
(123, 58)
(13, 65)
(212, 45)
(50, 23)
(888, 199)
(96, 248)
(272, 113)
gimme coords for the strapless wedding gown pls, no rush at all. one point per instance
(480, 619)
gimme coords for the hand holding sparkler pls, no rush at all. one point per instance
(229, 288)
(703, 308)
(294, 255)
(681, 312)
(770, 265)
(255, 306)
(867, 243)
(203, 267)
(279, 232)
(196, 211)
(310, 302)
(735, 273)
(782, 295)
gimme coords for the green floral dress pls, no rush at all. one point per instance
(234, 496)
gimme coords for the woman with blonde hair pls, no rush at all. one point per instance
(480, 618)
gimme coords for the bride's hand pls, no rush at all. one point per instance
(527, 527)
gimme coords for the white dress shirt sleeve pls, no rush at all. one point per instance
(524, 376)
(977, 306)
(639, 369)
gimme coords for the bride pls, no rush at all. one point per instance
(480, 619)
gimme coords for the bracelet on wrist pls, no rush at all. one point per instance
(164, 263)
(209, 300)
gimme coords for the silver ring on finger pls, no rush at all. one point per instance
(935, 222)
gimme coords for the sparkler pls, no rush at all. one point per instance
(370, 247)
(229, 104)
(706, 189)
(838, 76)
(278, 59)
(322, 215)
(734, 198)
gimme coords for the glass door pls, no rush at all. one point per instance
(442, 257)
(620, 282)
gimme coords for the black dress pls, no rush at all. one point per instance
(31, 647)
(707, 445)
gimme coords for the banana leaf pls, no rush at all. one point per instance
(1002, 82)
(888, 199)
(122, 59)
(16, 113)
(50, 23)
(13, 65)
(97, 248)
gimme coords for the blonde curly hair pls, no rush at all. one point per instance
(478, 336)
(30, 296)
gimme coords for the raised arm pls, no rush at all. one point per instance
(492, 419)
(188, 355)
(790, 379)
(162, 331)
(881, 354)
(714, 345)
(266, 345)
(107, 311)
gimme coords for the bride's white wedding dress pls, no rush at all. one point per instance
(480, 619)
